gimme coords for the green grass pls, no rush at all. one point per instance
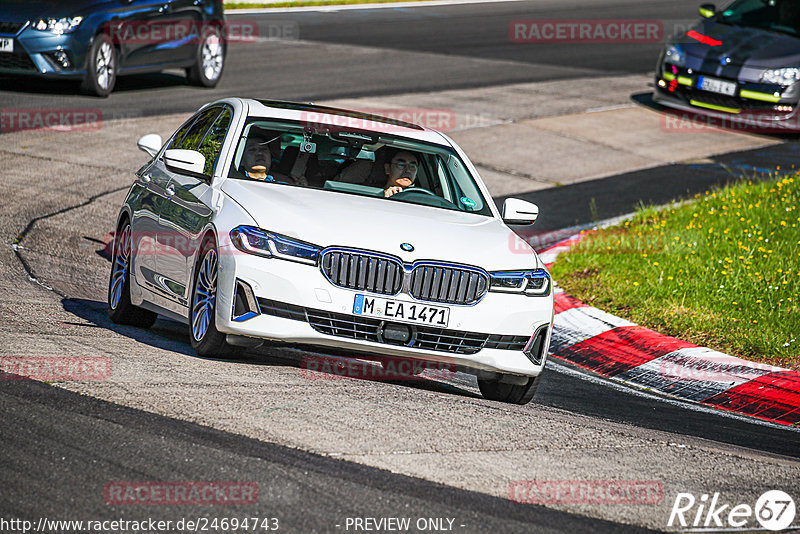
(304, 3)
(721, 271)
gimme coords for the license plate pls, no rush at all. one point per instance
(401, 311)
(6, 44)
(716, 86)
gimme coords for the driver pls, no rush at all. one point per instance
(401, 171)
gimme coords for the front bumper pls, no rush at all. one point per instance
(761, 107)
(35, 54)
(297, 304)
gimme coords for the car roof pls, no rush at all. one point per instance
(319, 115)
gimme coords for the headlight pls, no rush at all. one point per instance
(58, 26)
(533, 283)
(785, 76)
(675, 55)
(269, 245)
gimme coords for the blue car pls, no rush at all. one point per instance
(97, 40)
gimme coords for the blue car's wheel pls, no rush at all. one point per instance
(101, 67)
(209, 61)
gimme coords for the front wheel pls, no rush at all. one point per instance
(101, 67)
(206, 339)
(499, 391)
(209, 60)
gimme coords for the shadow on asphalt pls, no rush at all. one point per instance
(171, 335)
(55, 87)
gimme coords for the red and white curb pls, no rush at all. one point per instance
(625, 352)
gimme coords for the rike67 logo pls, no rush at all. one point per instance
(774, 510)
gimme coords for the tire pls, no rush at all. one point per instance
(207, 341)
(209, 60)
(101, 67)
(511, 393)
(120, 308)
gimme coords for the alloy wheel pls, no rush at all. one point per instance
(119, 273)
(204, 295)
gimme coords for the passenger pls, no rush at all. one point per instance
(257, 156)
(401, 171)
(259, 149)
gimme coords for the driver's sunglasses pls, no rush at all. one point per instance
(402, 166)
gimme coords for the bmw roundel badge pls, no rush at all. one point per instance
(408, 247)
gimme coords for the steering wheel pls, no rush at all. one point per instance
(423, 196)
(411, 190)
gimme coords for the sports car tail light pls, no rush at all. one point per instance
(363, 271)
(454, 285)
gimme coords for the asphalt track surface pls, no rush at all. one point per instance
(376, 52)
(50, 436)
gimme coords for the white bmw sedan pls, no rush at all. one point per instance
(309, 225)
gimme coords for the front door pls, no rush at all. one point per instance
(186, 213)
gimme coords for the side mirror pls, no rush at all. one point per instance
(708, 10)
(150, 143)
(516, 211)
(188, 162)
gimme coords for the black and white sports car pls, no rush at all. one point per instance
(740, 64)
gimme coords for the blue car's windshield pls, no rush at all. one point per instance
(780, 16)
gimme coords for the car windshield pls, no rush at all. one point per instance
(780, 16)
(364, 163)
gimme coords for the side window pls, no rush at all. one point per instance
(181, 133)
(212, 144)
(191, 140)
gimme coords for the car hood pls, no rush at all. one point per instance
(25, 10)
(328, 218)
(746, 47)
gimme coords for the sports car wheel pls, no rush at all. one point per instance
(101, 67)
(120, 309)
(206, 339)
(511, 393)
(210, 60)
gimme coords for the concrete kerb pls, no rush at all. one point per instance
(622, 351)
